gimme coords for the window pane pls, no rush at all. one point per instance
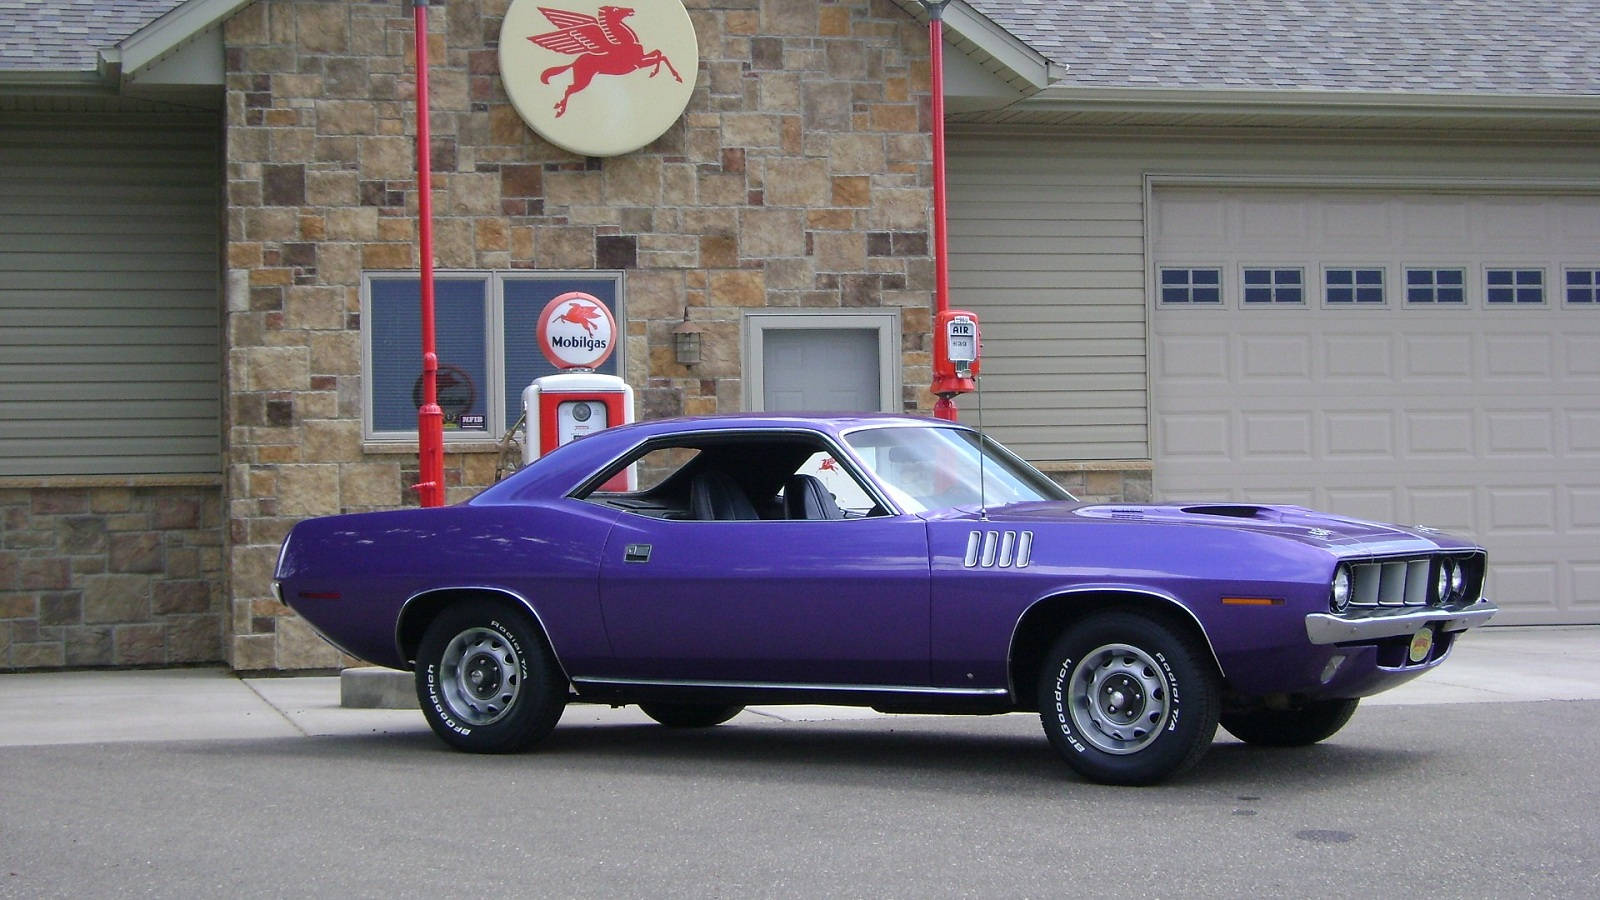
(396, 337)
(525, 298)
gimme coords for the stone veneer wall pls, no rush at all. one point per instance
(110, 576)
(798, 177)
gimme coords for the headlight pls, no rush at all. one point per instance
(1458, 579)
(1441, 584)
(1340, 600)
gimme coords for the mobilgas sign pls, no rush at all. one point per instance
(577, 331)
(598, 80)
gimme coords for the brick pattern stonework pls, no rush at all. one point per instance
(110, 576)
(799, 177)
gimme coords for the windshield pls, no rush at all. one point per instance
(937, 467)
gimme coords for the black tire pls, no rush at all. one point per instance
(1155, 699)
(1307, 724)
(690, 715)
(486, 678)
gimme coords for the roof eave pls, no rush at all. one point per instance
(991, 46)
(167, 34)
(1303, 102)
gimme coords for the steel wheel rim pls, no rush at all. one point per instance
(1119, 698)
(481, 676)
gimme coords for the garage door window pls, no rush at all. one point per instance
(1276, 286)
(1436, 285)
(1514, 285)
(1583, 286)
(1191, 286)
(1353, 286)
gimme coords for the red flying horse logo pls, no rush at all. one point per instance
(602, 44)
(585, 317)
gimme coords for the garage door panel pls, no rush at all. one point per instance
(1448, 508)
(1516, 587)
(1276, 357)
(1356, 357)
(1374, 504)
(1441, 435)
(1520, 511)
(1194, 358)
(1585, 505)
(1436, 356)
(1520, 356)
(1586, 584)
(1277, 436)
(1583, 351)
(1359, 435)
(1483, 421)
(1517, 433)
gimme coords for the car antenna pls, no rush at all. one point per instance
(983, 441)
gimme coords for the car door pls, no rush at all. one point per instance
(833, 602)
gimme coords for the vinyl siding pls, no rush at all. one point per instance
(1049, 252)
(109, 296)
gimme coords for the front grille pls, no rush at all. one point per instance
(1411, 581)
(1402, 582)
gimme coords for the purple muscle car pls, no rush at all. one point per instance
(903, 564)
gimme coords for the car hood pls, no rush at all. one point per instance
(1339, 535)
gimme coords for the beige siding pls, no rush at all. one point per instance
(1047, 246)
(1049, 252)
(109, 295)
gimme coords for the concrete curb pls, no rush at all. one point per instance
(370, 687)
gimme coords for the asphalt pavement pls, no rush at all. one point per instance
(1474, 781)
(1489, 665)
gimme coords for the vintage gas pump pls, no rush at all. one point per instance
(576, 333)
(956, 348)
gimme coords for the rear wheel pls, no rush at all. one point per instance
(1126, 699)
(690, 715)
(1298, 727)
(486, 680)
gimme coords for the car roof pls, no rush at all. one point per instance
(563, 468)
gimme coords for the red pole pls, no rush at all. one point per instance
(944, 387)
(430, 418)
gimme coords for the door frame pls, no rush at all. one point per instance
(885, 321)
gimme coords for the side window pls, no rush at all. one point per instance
(659, 464)
(846, 491)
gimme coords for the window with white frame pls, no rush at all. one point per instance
(486, 337)
(1446, 285)
(1506, 286)
(1274, 285)
(1583, 286)
(1191, 286)
(1353, 285)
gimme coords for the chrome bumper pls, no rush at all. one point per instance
(1371, 625)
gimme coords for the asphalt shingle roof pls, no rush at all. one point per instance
(65, 34)
(1472, 46)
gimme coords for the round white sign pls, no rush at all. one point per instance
(577, 331)
(599, 80)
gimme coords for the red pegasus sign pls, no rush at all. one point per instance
(603, 45)
(584, 317)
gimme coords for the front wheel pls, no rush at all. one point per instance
(690, 715)
(1126, 699)
(486, 679)
(1299, 727)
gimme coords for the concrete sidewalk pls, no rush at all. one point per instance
(1489, 665)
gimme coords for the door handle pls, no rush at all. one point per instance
(636, 553)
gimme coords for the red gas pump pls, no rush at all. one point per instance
(576, 333)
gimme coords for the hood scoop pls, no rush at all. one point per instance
(1232, 511)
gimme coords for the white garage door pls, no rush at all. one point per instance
(1427, 358)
